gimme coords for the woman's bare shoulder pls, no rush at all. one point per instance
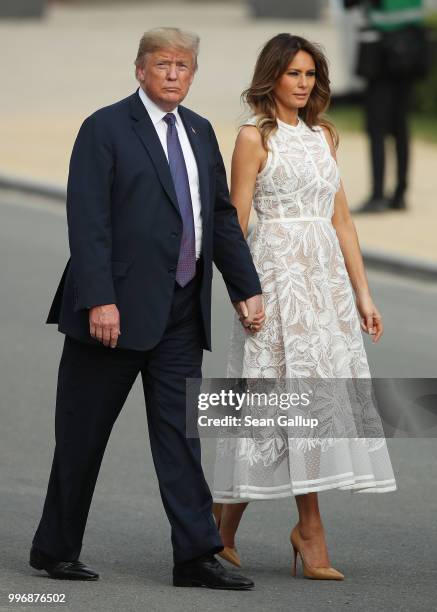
(329, 138)
(249, 146)
(249, 134)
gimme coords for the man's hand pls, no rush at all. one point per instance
(105, 324)
(251, 313)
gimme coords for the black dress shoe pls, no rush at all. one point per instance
(397, 202)
(206, 571)
(373, 205)
(64, 570)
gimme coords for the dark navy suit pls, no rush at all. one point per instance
(125, 227)
(124, 233)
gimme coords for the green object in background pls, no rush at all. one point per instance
(349, 118)
(395, 14)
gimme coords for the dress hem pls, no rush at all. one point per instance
(382, 486)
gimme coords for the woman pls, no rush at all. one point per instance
(307, 255)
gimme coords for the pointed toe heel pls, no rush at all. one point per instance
(315, 573)
(230, 554)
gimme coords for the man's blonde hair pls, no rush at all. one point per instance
(162, 38)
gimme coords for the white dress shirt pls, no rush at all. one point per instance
(156, 115)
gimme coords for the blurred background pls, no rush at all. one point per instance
(62, 59)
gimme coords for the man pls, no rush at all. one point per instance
(399, 58)
(148, 211)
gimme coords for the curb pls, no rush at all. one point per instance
(410, 267)
(400, 264)
(33, 187)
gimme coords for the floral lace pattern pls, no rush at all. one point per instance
(312, 328)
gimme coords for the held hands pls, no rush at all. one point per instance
(371, 321)
(105, 324)
(251, 313)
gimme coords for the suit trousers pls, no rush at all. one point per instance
(386, 112)
(93, 384)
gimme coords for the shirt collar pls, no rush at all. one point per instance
(156, 113)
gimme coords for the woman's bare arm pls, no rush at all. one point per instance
(350, 247)
(247, 160)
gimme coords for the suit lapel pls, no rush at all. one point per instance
(147, 133)
(202, 165)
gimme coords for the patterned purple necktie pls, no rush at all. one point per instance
(186, 268)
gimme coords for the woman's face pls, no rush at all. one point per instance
(293, 88)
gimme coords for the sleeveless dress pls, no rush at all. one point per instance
(312, 329)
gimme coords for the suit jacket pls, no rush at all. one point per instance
(124, 226)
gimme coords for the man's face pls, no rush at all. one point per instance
(166, 76)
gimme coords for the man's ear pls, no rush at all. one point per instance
(141, 70)
(140, 74)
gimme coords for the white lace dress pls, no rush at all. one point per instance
(312, 329)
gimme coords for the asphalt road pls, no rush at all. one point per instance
(384, 544)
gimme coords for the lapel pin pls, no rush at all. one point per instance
(193, 130)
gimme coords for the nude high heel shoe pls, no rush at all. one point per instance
(316, 573)
(228, 553)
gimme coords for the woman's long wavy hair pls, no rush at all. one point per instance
(271, 64)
